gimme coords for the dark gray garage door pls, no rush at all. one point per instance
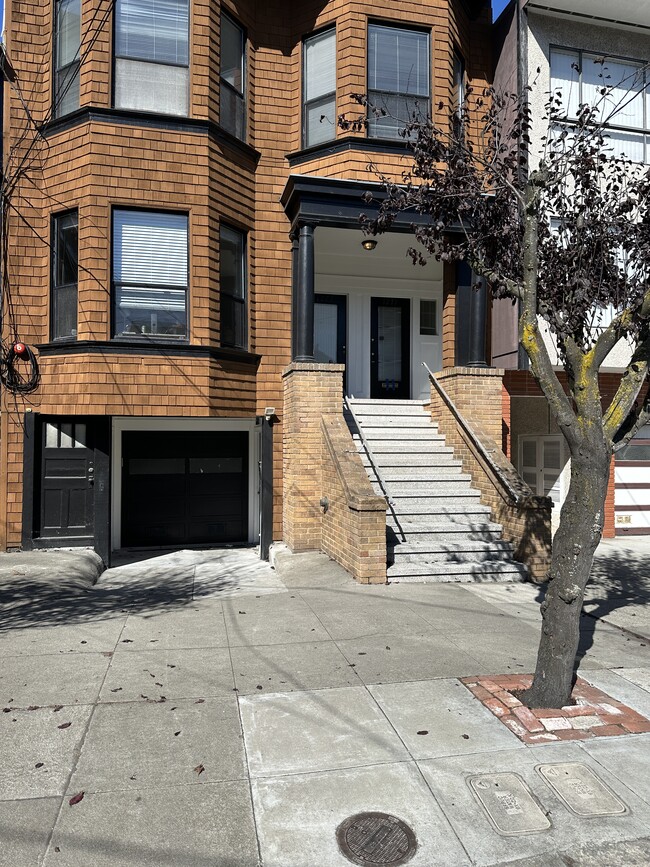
(183, 488)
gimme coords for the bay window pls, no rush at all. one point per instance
(625, 109)
(150, 274)
(398, 78)
(65, 246)
(152, 55)
(232, 110)
(67, 49)
(232, 282)
(319, 88)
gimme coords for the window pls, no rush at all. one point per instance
(458, 93)
(319, 88)
(67, 43)
(65, 435)
(150, 274)
(428, 316)
(63, 316)
(232, 112)
(398, 78)
(580, 76)
(232, 252)
(152, 55)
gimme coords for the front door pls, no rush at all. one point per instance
(68, 469)
(390, 348)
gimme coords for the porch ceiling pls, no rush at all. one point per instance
(339, 252)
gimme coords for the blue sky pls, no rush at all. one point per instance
(497, 6)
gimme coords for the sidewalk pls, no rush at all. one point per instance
(213, 711)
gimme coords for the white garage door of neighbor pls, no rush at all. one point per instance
(632, 499)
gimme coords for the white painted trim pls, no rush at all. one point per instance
(121, 424)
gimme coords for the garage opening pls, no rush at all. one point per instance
(184, 488)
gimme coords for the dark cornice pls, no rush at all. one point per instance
(121, 117)
(145, 347)
(347, 143)
(335, 202)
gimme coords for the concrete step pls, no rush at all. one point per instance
(421, 509)
(398, 420)
(448, 552)
(441, 573)
(385, 411)
(445, 462)
(431, 475)
(446, 488)
(445, 531)
(407, 447)
(375, 403)
(399, 434)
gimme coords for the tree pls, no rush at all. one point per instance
(564, 231)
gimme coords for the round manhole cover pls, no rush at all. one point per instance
(376, 838)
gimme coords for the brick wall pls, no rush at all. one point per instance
(526, 520)
(476, 391)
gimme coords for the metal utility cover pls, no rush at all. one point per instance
(509, 804)
(583, 792)
(376, 838)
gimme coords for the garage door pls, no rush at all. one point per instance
(633, 486)
(182, 488)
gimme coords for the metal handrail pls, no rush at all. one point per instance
(371, 458)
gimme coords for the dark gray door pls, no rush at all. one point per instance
(390, 348)
(67, 480)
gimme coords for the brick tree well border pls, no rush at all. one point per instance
(593, 714)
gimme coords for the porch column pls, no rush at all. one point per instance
(478, 325)
(304, 295)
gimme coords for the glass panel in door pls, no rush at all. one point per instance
(390, 354)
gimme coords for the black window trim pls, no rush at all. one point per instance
(54, 218)
(223, 82)
(303, 94)
(115, 56)
(158, 338)
(56, 70)
(399, 25)
(223, 224)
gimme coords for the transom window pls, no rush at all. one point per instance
(152, 55)
(319, 88)
(398, 78)
(67, 44)
(232, 110)
(150, 273)
(581, 76)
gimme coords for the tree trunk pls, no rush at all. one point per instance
(574, 544)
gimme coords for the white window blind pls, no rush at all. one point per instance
(565, 78)
(153, 30)
(319, 86)
(398, 78)
(150, 273)
(150, 248)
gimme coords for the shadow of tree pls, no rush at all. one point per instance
(157, 584)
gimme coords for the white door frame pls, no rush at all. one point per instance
(121, 424)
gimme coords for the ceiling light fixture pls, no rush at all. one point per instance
(369, 244)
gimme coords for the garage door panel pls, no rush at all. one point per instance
(632, 477)
(184, 488)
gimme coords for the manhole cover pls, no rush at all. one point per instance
(582, 791)
(376, 838)
(509, 804)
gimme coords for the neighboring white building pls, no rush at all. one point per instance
(557, 45)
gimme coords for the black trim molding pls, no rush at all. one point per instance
(123, 117)
(142, 347)
(317, 201)
(346, 144)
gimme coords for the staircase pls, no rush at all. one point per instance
(437, 530)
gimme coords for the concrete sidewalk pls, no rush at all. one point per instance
(214, 711)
